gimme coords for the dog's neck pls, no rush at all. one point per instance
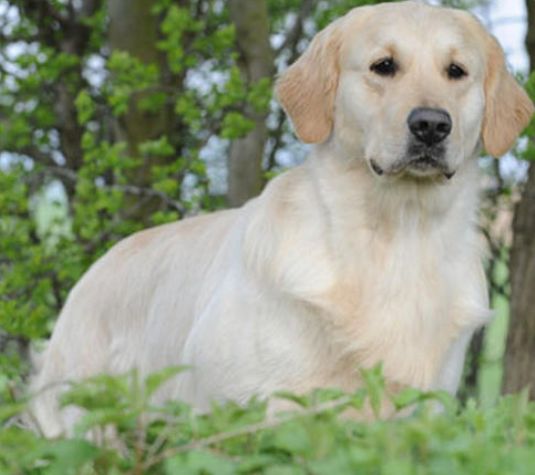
(391, 203)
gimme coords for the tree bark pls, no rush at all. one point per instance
(520, 352)
(250, 18)
(134, 29)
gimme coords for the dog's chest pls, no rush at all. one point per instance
(402, 304)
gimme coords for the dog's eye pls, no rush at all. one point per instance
(456, 72)
(384, 67)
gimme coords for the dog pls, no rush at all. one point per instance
(367, 253)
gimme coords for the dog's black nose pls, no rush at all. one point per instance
(430, 126)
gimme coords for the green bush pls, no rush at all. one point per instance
(314, 439)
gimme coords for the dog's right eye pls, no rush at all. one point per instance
(384, 67)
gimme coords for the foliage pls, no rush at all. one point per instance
(317, 438)
(63, 136)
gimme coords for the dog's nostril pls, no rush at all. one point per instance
(430, 126)
(444, 127)
(423, 126)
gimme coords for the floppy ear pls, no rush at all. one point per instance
(307, 88)
(508, 109)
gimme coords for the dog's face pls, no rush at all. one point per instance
(410, 88)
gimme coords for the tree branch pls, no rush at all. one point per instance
(250, 429)
(296, 33)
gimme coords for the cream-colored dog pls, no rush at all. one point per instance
(367, 253)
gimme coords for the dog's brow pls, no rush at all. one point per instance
(385, 50)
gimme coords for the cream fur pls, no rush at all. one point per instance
(332, 268)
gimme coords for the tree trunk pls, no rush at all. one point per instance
(520, 353)
(256, 62)
(134, 29)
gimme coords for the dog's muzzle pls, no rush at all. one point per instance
(426, 151)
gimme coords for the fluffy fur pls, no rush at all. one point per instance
(333, 267)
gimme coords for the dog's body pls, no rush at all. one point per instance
(367, 253)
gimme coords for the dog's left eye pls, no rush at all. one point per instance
(455, 71)
(385, 67)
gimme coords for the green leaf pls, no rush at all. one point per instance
(159, 147)
(375, 386)
(259, 95)
(84, 106)
(292, 437)
(407, 397)
(7, 411)
(299, 399)
(67, 456)
(280, 469)
(236, 125)
(199, 462)
(156, 380)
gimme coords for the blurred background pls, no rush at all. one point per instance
(122, 114)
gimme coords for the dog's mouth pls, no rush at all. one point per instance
(427, 165)
(417, 163)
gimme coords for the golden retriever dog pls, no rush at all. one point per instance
(366, 253)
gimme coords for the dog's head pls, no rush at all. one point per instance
(411, 88)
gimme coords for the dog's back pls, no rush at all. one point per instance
(117, 316)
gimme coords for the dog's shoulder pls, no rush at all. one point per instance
(286, 240)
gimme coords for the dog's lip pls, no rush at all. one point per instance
(421, 166)
(424, 162)
(376, 168)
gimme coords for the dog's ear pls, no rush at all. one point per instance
(307, 89)
(508, 109)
